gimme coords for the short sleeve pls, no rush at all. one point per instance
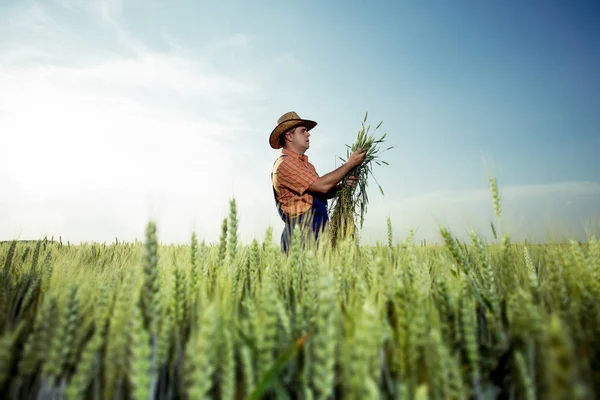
(295, 177)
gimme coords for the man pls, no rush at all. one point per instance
(300, 193)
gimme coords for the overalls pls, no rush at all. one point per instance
(317, 214)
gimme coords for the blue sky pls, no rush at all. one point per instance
(117, 111)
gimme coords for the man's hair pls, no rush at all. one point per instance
(282, 137)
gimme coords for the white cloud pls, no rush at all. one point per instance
(98, 137)
(227, 43)
(108, 10)
(95, 149)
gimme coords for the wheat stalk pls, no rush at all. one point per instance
(351, 202)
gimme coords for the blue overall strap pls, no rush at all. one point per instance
(320, 214)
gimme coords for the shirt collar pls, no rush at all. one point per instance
(289, 152)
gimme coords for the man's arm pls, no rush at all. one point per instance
(328, 181)
(331, 194)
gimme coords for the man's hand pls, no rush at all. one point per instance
(356, 158)
(351, 181)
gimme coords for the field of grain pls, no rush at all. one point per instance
(231, 321)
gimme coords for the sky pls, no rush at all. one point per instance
(115, 112)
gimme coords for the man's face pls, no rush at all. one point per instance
(300, 139)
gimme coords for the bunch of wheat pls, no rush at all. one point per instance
(350, 203)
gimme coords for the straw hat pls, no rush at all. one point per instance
(288, 121)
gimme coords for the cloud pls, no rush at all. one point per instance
(227, 43)
(101, 132)
(94, 146)
(108, 10)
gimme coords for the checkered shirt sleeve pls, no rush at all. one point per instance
(296, 175)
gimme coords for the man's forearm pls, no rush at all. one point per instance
(334, 190)
(327, 182)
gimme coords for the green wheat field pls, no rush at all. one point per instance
(223, 320)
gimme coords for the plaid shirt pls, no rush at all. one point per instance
(292, 175)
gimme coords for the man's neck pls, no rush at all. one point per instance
(294, 150)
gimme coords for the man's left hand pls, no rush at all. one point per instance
(352, 181)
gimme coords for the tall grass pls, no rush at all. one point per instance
(228, 320)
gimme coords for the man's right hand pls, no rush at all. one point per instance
(356, 158)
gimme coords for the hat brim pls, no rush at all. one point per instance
(286, 125)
